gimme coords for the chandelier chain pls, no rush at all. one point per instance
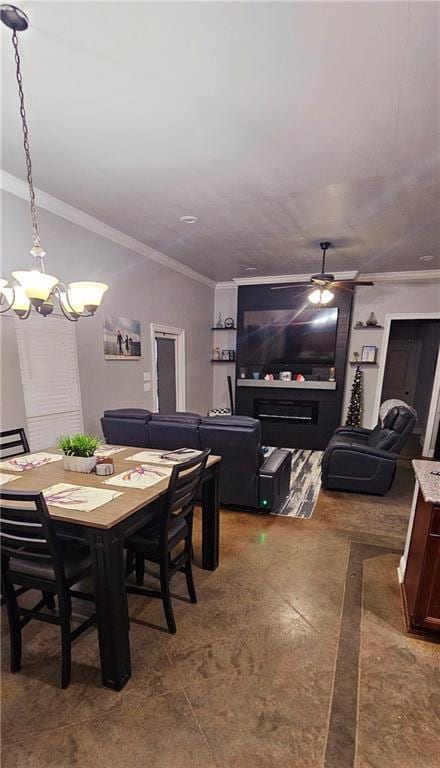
(35, 233)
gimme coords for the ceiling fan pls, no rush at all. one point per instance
(324, 282)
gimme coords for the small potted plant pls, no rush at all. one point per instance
(79, 452)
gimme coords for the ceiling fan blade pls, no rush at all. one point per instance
(288, 285)
(341, 287)
(364, 282)
(343, 283)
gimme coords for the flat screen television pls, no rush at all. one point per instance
(286, 337)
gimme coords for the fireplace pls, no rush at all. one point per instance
(286, 411)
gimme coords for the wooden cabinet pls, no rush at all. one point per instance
(421, 586)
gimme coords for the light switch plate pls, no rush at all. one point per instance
(147, 386)
(147, 376)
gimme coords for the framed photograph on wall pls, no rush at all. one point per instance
(369, 354)
(225, 354)
(122, 338)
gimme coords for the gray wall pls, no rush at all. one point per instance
(139, 288)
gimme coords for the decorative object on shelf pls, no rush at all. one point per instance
(217, 355)
(225, 354)
(369, 354)
(356, 357)
(219, 323)
(122, 338)
(372, 319)
(229, 322)
(332, 374)
(79, 452)
(359, 324)
(242, 373)
(268, 377)
(231, 354)
(34, 287)
(255, 375)
(300, 377)
(354, 413)
(285, 376)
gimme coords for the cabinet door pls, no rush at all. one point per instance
(427, 613)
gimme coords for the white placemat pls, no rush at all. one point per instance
(109, 450)
(142, 476)
(4, 478)
(80, 497)
(29, 461)
(157, 457)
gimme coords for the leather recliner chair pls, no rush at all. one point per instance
(365, 460)
(247, 479)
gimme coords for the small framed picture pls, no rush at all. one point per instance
(232, 354)
(225, 354)
(369, 354)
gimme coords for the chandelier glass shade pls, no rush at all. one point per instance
(34, 287)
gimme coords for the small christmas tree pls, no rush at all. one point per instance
(355, 407)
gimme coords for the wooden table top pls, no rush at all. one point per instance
(106, 516)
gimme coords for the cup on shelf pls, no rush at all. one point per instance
(255, 375)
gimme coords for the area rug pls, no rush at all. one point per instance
(305, 484)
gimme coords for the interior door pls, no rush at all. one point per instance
(401, 370)
(166, 374)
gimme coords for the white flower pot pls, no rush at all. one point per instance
(79, 463)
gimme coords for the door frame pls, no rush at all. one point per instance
(178, 334)
(382, 362)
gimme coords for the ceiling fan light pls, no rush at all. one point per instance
(315, 296)
(326, 296)
(87, 294)
(37, 285)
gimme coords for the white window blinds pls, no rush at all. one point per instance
(49, 372)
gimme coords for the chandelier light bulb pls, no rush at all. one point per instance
(71, 302)
(37, 285)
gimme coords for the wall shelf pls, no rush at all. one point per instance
(277, 384)
(223, 361)
(224, 329)
(368, 328)
(359, 362)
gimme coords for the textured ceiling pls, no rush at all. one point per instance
(277, 124)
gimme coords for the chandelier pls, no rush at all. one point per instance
(34, 287)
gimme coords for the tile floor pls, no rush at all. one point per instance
(295, 656)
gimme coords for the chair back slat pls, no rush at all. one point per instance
(26, 530)
(182, 492)
(11, 440)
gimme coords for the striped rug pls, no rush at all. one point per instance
(305, 484)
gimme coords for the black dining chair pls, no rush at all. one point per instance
(13, 442)
(172, 526)
(32, 557)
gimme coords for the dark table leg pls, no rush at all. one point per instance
(211, 518)
(111, 606)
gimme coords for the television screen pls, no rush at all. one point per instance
(288, 337)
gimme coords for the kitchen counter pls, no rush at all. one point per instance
(429, 483)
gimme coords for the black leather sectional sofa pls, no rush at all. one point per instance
(247, 479)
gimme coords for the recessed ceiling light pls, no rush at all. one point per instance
(189, 219)
(426, 258)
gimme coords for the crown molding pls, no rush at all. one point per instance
(19, 188)
(304, 278)
(411, 276)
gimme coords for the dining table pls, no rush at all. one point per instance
(105, 528)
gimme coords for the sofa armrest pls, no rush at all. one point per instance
(358, 468)
(274, 479)
(352, 430)
(274, 462)
(363, 449)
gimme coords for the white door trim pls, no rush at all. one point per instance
(383, 357)
(169, 332)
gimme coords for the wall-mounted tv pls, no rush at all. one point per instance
(286, 337)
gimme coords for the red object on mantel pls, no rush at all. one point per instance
(421, 586)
